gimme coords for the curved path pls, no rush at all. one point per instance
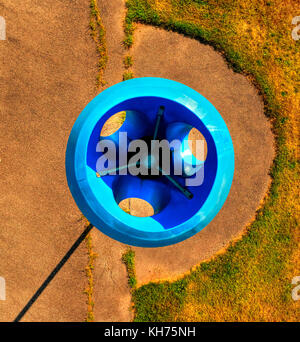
(170, 55)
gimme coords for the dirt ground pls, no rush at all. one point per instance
(48, 68)
(170, 55)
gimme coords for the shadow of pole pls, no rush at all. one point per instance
(54, 272)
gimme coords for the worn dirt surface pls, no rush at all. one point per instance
(159, 53)
(48, 75)
(48, 68)
(113, 15)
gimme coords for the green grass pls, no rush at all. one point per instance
(128, 29)
(162, 301)
(128, 75)
(89, 291)
(128, 61)
(98, 34)
(128, 259)
(251, 280)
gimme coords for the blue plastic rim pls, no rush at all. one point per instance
(175, 218)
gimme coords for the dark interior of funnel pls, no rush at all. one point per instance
(171, 207)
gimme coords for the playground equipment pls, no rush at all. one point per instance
(155, 109)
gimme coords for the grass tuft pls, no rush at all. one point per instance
(128, 61)
(128, 75)
(98, 34)
(89, 291)
(128, 259)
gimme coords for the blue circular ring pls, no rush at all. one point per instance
(95, 198)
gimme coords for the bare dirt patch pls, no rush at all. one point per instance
(159, 53)
(48, 68)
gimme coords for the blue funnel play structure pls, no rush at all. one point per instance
(160, 109)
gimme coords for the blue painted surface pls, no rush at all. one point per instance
(176, 218)
(180, 131)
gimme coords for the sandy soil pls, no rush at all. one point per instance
(48, 70)
(166, 54)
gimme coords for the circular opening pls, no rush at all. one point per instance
(113, 124)
(167, 198)
(137, 207)
(201, 152)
